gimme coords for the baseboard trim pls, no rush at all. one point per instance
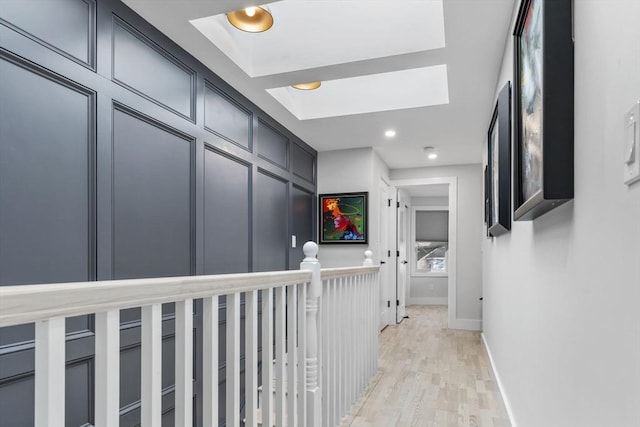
(466, 324)
(505, 399)
(428, 301)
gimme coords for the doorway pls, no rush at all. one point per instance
(403, 203)
(433, 283)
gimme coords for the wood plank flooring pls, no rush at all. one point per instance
(430, 376)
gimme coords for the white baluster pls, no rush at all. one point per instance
(210, 361)
(251, 358)
(325, 348)
(313, 391)
(233, 360)
(50, 373)
(267, 358)
(302, 348)
(367, 320)
(342, 354)
(292, 357)
(280, 355)
(370, 319)
(375, 333)
(334, 353)
(375, 304)
(364, 327)
(352, 341)
(107, 369)
(362, 362)
(151, 365)
(184, 363)
(357, 336)
(373, 336)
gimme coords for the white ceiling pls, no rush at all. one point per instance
(397, 38)
(395, 90)
(317, 33)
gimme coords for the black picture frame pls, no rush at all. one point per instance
(499, 164)
(343, 218)
(543, 89)
(487, 199)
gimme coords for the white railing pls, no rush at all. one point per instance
(349, 336)
(316, 373)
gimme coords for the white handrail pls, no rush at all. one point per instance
(334, 273)
(32, 303)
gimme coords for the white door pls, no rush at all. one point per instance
(387, 287)
(402, 215)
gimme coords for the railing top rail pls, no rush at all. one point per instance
(334, 273)
(31, 303)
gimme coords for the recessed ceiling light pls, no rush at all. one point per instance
(307, 86)
(253, 19)
(390, 133)
(431, 153)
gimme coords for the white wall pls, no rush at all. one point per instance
(562, 293)
(428, 290)
(430, 201)
(351, 171)
(469, 230)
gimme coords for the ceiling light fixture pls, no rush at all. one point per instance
(307, 86)
(430, 152)
(390, 133)
(253, 19)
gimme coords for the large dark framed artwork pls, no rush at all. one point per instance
(499, 163)
(343, 218)
(543, 160)
(487, 198)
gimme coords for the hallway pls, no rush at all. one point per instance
(430, 376)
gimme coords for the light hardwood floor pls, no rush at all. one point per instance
(430, 376)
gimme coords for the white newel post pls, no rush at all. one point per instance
(312, 374)
(368, 258)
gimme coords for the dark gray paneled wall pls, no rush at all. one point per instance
(67, 27)
(121, 156)
(142, 66)
(227, 237)
(302, 209)
(271, 197)
(152, 203)
(273, 145)
(227, 118)
(45, 175)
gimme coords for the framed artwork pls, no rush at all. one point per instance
(344, 218)
(499, 164)
(487, 198)
(543, 86)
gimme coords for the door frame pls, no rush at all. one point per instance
(402, 255)
(386, 241)
(452, 320)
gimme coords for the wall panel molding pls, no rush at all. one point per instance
(34, 24)
(135, 58)
(189, 189)
(227, 118)
(228, 212)
(273, 145)
(89, 139)
(303, 163)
